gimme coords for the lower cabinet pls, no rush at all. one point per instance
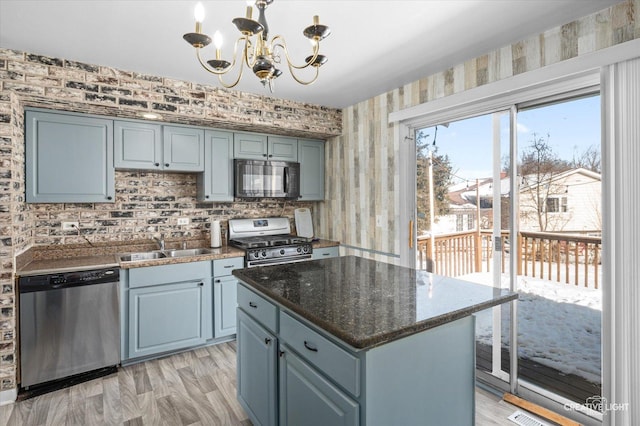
(257, 386)
(168, 317)
(307, 398)
(225, 300)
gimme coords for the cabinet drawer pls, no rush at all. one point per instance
(257, 307)
(325, 252)
(223, 267)
(334, 361)
(164, 274)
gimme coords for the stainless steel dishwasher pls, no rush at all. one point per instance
(69, 324)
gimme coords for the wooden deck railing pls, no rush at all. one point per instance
(565, 258)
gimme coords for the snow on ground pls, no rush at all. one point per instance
(558, 324)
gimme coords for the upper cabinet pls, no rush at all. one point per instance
(216, 183)
(183, 149)
(252, 146)
(137, 145)
(69, 158)
(148, 146)
(311, 156)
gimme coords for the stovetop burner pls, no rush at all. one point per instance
(267, 241)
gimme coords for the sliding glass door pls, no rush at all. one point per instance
(512, 199)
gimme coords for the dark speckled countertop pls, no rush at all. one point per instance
(367, 303)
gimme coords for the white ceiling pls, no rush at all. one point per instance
(375, 45)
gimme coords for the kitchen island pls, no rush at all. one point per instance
(353, 341)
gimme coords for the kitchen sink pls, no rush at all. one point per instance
(158, 254)
(147, 255)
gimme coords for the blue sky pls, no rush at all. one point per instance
(572, 128)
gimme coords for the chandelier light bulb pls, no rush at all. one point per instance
(217, 39)
(198, 12)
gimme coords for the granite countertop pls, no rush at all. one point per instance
(82, 263)
(367, 303)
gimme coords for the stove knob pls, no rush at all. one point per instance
(299, 249)
(305, 249)
(264, 253)
(282, 252)
(255, 254)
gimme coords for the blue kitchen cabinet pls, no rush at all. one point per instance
(69, 158)
(137, 145)
(307, 398)
(149, 146)
(225, 296)
(183, 149)
(311, 157)
(216, 183)
(252, 146)
(256, 369)
(166, 308)
(325, 252)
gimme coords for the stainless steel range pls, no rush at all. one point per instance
(268, 241)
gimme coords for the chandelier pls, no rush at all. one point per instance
(257, 52)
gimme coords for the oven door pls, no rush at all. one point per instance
(270, 179)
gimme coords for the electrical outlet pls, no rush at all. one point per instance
(183, 221)
(70, 226)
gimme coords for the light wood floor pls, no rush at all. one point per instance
(192, 388)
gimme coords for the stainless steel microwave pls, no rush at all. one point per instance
(266, 179)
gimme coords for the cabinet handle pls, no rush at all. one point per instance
(311, 348)
(252, 305)
(218, 281)
(264, 155)
(157, 164)
(200, 284)
(267, 341)
(228, 266)
(270, 155)
(166, 164)
(326, 254)
(280, 354)
(206, 196)
(109, 197)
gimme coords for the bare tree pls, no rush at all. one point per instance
(589, 159)
(539, 165)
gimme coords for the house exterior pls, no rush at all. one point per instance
(568, 202)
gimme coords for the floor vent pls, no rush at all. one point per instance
(524, 419)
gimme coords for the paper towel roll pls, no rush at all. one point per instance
(216, 239)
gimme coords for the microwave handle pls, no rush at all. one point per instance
(286, 180)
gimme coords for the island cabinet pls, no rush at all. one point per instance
(216, 183)
(149, 146)
(69, 158)
(225, 299)
(358, 342)
(252, 146)
(167, 307)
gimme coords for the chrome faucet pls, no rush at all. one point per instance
(160, 241)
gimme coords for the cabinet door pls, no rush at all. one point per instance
(183, 149)
(311, 156)
(69, 158)
(256, 371)
(169, 317)
(282, 149)
(249, 146)
(307, 398)
(225, 297)
(216, 183)
(325, 253)
(137, 145)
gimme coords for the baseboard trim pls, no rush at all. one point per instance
(8, 396)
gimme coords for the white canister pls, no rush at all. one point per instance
(216, 238)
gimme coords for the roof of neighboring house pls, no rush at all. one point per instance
(530, 181)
